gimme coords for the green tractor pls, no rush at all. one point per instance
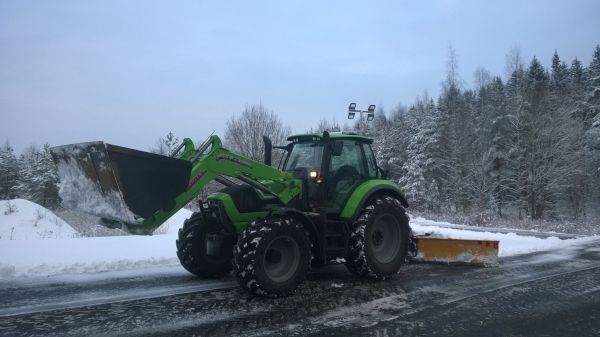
(328, 199)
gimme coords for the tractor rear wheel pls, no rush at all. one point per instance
(379, 242)
(203, 248)
(273, 256)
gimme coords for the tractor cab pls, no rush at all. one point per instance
(334, 165)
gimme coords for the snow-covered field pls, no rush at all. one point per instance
(34, 245)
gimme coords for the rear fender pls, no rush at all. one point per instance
(368, 190)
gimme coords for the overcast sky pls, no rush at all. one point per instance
(127, 72)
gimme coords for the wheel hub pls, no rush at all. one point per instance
(273, 256)
(281, 258)
(214, 241)
(385, 238)
(377, 238)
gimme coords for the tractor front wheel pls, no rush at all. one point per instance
(379, 242)
(273, 256)
(203, 247)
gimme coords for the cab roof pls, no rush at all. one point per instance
(307, 137)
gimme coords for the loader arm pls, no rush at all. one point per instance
(218, 161)
(138, 191)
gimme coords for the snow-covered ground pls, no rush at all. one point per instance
(32, 251)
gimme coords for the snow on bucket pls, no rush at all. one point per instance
(118, 183)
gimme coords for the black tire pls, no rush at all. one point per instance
(192, 248)
(273, 256)
(379, 241)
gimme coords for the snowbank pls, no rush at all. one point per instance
(91, 255)
(25, 220)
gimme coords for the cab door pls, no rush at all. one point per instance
(352, 163)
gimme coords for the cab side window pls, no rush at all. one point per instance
(348, 169)
(351, 156)
(372, 170)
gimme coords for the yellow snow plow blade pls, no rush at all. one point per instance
(456, 251)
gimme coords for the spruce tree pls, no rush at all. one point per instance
(9, 172)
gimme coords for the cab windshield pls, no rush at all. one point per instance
(304, 156)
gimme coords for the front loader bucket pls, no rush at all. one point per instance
(117, 183)
(456, 251)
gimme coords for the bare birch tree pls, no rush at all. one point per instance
(244, 133)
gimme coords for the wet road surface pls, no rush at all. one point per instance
(541, 294)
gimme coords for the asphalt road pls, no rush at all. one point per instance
(542, 294)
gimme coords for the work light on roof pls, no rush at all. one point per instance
(370, 112)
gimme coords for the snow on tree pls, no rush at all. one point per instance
(49, 179)
(390, 142)
(456, 139)
(592, 137)
(490, 169)
(530, 145)
(545, 161)
(38, 177)
(559, 75)
(566, 87)
(592, 99)
(421, 167)
(9, 172)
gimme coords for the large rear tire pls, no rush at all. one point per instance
(379, 242)
(273, 256)
(196, 254)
